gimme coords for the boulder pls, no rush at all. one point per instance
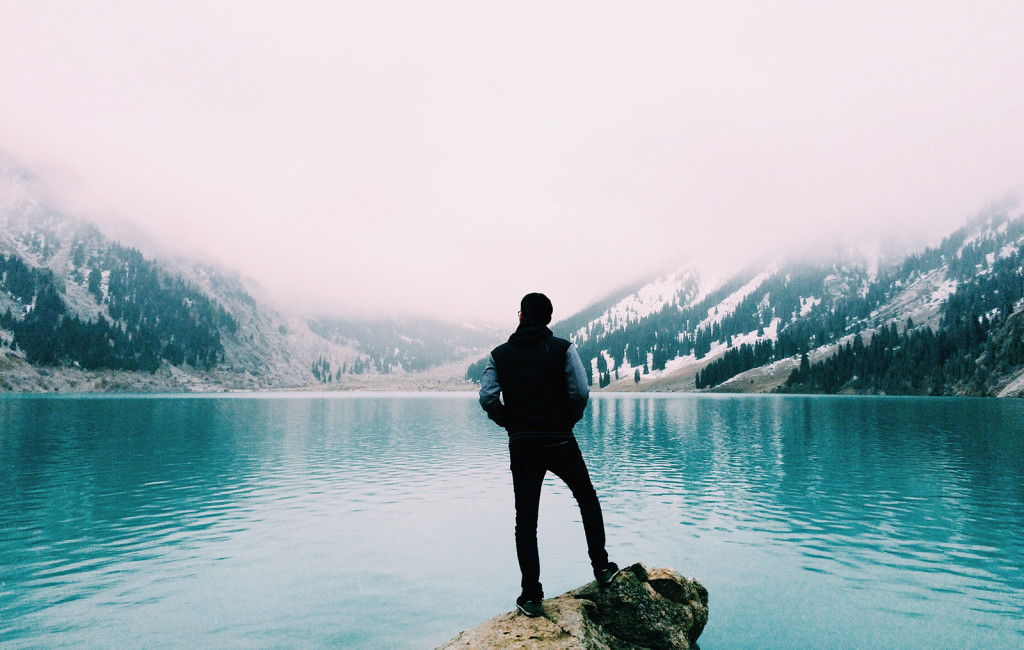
(641, 608)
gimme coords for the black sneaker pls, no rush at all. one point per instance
(530, 606)
(605, 575)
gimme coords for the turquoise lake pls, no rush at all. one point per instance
(386, 520)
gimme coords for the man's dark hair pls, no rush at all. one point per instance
(536, 308)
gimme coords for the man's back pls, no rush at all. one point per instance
(531, 370)
(534, 383)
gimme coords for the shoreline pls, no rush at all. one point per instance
(18, 377)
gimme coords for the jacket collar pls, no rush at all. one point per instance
(528, 333)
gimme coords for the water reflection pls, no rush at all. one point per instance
(115, 507)
(919, 498)
(266, 521)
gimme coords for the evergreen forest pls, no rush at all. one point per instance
(838, 307)
(145, 315)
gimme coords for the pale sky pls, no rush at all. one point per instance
(447, 157)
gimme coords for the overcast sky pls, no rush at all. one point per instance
(448, 157)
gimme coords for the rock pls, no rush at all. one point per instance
(641, 608)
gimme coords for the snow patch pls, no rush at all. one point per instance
(945, 289)
(684, 287)
(729, 304)
(807, 304)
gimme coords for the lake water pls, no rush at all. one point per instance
(370, 520)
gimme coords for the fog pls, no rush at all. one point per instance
(445, 158)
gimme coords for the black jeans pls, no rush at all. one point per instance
(531, 459)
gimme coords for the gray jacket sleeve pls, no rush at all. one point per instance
(576, 378)
(490, 393)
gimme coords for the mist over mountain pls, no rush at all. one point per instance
(944, 320)
(81, 312)
(400, 345)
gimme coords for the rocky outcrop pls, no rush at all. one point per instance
(641, 608)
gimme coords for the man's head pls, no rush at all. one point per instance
(535, 309)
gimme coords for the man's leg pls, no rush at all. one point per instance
(527, 479)
(567, 463)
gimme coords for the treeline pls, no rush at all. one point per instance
(475, 372)
(963, 260)
(649, 343)
(806, 305)
(48, 335)
(978, 340)
(184, 324)
(676, 331)
(569, 325)
(321, 369)
(734, 361)
(154, 317)
(850, 301)
(659, 337)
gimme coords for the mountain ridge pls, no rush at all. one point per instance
(80, 312)
(751, 331)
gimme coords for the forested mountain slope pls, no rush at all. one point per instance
(81, 312)
(945, 320)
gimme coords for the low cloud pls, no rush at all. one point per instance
(365, 159)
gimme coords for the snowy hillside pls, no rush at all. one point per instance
(81, 312)
(751, 330)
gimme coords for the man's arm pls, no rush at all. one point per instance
(490, 393)
(576, 378)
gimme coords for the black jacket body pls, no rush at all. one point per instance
(534, 370)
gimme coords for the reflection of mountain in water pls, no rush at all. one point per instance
(883, 521)
(928, 484)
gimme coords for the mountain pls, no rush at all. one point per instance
(945, 320)
(81, 312)
(402, 345)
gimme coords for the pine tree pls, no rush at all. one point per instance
(95, 281)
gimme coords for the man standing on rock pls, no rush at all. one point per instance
(535, 387)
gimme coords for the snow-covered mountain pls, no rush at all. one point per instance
(750, 330)
(81, 312)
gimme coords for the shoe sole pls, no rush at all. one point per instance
(537, 615)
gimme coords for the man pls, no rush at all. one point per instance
(536, 388)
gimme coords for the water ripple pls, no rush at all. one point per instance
(280, 521)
